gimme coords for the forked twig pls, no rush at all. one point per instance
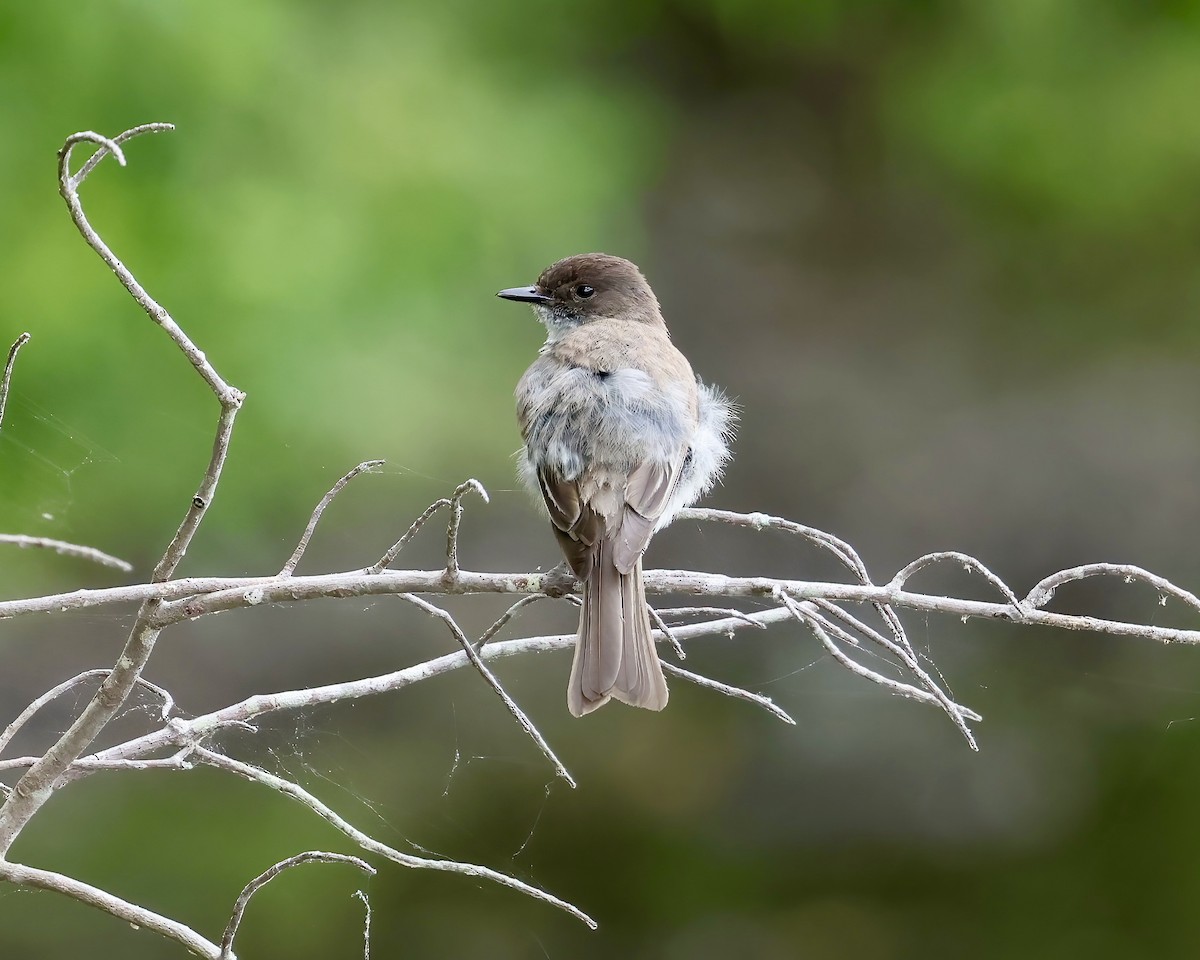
(178, 743)
(370, 844)
(956, 713)
(39, 782)
(25, 715)
(477, 662)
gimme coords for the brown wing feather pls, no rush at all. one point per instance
(647, 493)
(562, 499)
(576, 525)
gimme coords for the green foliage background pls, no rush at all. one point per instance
(944, 254)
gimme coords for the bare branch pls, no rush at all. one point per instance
(815, 623)
(187, 733)
(11, 730)
(671, 639)
(243, 900)
(67, 550)
(88, 765)
(505, 617)
(456, 511)
(708, 612)
(138, 917)
(6, 379)
(370, 844)
(845, 553)
(208, 595)
(968, 563)
(736, 692)
(366, 924)
(1041, 594)
(478, 664)
(36, 787)
(826, 613)
(365, 467)
(69, 187)
(394, 550)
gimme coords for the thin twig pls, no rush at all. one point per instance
(1043, 592)
(67, 550)
(456, 511)
(39, 782)
(180, 733)
(968, 563)
(818, 627)
(477, 662)
(730, 691)
(845, 553)
(830, 612)
(243, 900)
(671, 638)
(370, 844)
(394, 550)
(366, 923)
(137, 917)
(505, 617)
(365, 467)
(707, 612)
(6, 379)
(23, 718)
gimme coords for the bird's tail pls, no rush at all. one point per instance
(614, 651)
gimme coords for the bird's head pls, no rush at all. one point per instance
(587, 287)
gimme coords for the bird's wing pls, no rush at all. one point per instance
(577, 526)
(647, 493)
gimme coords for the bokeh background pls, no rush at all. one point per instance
(945, 257)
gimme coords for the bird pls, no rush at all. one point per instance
(619, 436)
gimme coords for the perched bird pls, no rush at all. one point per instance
(619, 436)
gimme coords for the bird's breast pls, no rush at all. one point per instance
(575, 418)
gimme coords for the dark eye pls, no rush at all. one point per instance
(583, 291)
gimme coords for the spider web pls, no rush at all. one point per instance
(42, 459)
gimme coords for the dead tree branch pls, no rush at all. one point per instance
(63, 548)
(851, 620)
(243, 900)
(38, 784)
(6, 379)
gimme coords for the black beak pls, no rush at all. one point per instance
(524, 295)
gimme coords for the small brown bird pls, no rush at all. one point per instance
(619, 436)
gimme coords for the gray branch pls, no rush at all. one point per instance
(138, 917)
(6, 378)
(243, 900)
(66, 549)
(38, 784)
(824, 608)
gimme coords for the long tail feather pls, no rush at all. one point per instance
(614, 650)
